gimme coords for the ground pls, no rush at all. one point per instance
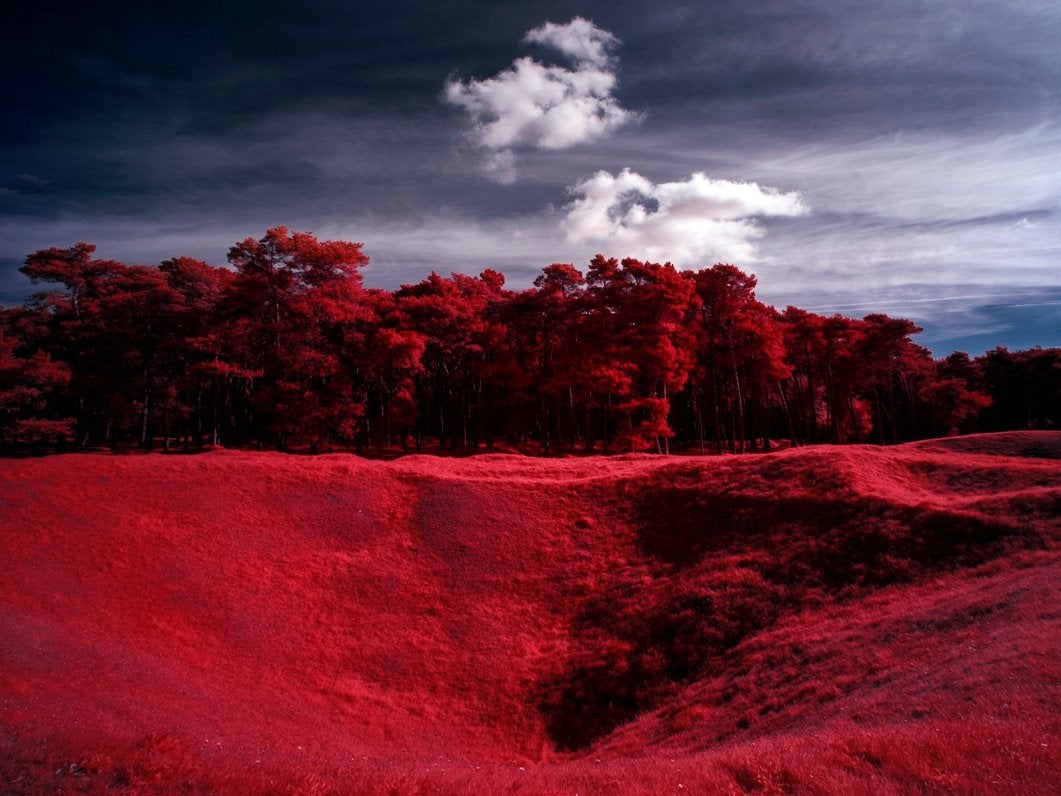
(815, 620)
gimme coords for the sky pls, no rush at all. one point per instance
(902, 156)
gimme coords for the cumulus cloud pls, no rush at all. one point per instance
(579, 38)
(541, 106)
(693, 222)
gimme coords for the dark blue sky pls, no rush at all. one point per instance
(902, 157)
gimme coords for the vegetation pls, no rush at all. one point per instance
(826, 620)
(287, 348)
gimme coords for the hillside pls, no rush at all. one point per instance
(819, 620)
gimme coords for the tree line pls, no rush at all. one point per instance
(287, 349)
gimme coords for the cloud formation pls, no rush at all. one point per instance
(694, 222)
(541, 106)
(580, 39)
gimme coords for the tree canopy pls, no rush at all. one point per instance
(286, 348)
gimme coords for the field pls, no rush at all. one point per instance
(817, 620)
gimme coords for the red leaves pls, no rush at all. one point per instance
(27, 383)
(303, 260)
(639, 346)
(288, 346)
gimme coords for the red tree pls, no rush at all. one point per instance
(288, 309)
(639, 346)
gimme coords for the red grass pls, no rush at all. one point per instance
(826, 620)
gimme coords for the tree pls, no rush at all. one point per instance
(896, 371)
(288, 309)
(739, 358)
(203, 384)
(461, 337)
(28, 384)
(287, 347)
(392, 360)
(639, 351)
(543, 357)
(109, 324)
(1024, 386)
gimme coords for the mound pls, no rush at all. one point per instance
(825, 620)
(1012, 443)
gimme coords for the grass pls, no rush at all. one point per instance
(827, 620)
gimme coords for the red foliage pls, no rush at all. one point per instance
(288, 349)
(834, 619)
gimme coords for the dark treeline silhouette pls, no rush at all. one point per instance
(288, 349)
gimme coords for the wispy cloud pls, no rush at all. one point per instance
(541, 106)
(936, 209)
(958, 316)
(695, 221)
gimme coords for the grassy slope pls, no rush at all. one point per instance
(821, 620)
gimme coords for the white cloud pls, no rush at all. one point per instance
(541, 106)
(695, 222)
(579, 38)
(917, 208)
